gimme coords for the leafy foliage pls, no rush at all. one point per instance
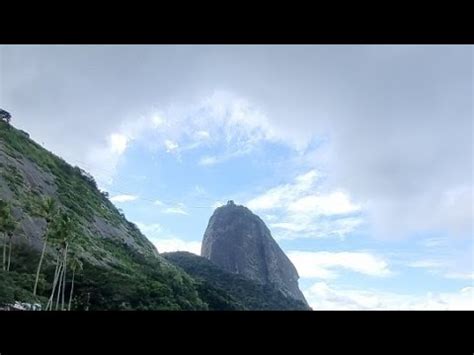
(224, 290)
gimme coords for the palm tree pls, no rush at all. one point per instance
(69, 234)
(57, 271)
(10, 229)
(54, 237)
(62, 234)
(76, 265)
(48, 210)
(7, 226)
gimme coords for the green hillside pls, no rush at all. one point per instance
(121, 269)
(224, 290)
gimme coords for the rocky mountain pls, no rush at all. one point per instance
(228, 291)
(239, 242)
(120, 267)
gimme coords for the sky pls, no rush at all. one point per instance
(358, 158)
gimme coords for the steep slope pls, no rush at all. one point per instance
(122, 269)
(227, 291)
(239, 242)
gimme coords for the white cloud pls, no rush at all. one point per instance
(434, 242)
(117, 143)
(166, 242)
(322, 296)
(152, 230)
(270, 217)
(313, 226)
(333, 203)
(289, 227)
(123, 198)
(199, 190)
(178, 209)
(324, 265)
(171, 146)
(221, 119)
(207, 160)
(303, 210)
(217, 204)
(426, 264)
(283, 195)
(448, 263)
(157, 120)
(399, 117)
(202, 135)
(158, 203)
(175, 244)
(460, 275)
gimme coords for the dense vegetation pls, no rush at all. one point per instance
(149, 284)
(224, 290)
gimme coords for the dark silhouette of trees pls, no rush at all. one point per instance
(5, 116)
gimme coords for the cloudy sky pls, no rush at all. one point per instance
(358, 158)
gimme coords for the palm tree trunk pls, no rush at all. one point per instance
(39, 265)
(64, 276)
(72, 290)
(60, 281)
(4, 249)
(9, 253)
(55, 280)
(53, 288)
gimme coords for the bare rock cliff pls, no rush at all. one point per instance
(239, 242)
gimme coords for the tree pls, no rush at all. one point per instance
(63, 234)
(3, 220)
(7, 227)
(69, 228)
(5, 116)
(48, 210)
(10, 229)
(76, 265)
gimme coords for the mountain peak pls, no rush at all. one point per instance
(239, 242)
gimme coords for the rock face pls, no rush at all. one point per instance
(239, 242)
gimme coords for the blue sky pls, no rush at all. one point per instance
(358, 158)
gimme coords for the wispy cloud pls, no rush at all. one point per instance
(118, 143)
(123, 198)
(207, 160)
(158, 203)
(333, 203)
(217, 204)
(443, 260)
(167, 242)
(322, 296)
(151, 230)
(460, 275)
(175, 244)
(302, 210)
(325, 265)
(171, 146)
(426, 264)
(178, 209)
